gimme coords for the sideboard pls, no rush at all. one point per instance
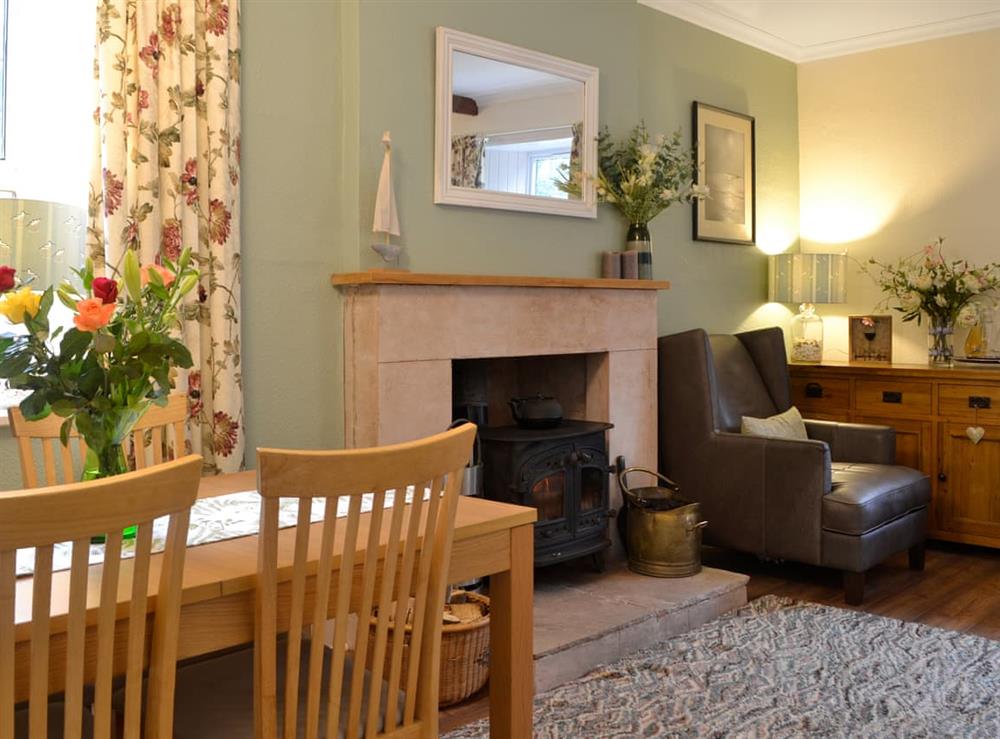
(938, 414)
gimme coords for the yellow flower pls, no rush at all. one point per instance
(16, 306)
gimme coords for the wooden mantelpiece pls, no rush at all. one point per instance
(401, 277)
(933, 410)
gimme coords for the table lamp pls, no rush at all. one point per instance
(807, 279)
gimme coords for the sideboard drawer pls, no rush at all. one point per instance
(821, 394)
(892, 397)
(970, 402)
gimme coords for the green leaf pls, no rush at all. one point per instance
(14, 364)
(180, 354)
(64, 430)
(35, 406)
(64, 407)
(133, 279)
(139, 342)
(85, 425)
(75, 343)
(92, 378)
(104, 343)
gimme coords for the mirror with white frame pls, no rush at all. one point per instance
(510, 125)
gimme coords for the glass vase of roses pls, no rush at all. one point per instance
(116, 360)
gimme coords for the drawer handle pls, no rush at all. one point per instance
(982, 402)
(814, 390)
(892, 396)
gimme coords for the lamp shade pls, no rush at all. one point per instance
(807, 278)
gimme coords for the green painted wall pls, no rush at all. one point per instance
(652, 67)
(323, 79)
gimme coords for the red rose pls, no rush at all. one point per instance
(6, 278)
(105, 289)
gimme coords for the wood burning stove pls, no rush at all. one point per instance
(563, 473)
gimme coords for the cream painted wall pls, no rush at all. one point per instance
(897, 147)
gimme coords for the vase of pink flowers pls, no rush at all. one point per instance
(927, 285)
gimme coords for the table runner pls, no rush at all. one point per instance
(212, 519)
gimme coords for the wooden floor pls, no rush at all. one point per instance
(958, 589)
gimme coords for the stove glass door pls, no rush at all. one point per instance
(549, 495)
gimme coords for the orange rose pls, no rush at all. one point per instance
(93, 314)
(166, 275)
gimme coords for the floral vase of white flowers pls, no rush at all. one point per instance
(641, 177)
(946, 292)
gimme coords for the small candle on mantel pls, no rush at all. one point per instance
(611, 265)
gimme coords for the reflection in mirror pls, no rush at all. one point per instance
(513, 128)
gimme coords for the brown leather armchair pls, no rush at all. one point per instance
(836, 500)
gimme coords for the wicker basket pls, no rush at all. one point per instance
(465, 654)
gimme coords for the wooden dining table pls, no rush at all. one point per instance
(217, 611)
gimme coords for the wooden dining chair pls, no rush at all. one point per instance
(94, 599)
(158, 429)
(390, 561)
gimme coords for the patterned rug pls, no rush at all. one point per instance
(781, 669)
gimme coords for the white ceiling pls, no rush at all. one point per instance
(489, 80)
(804, 30)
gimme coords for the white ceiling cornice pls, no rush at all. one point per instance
(714, 18)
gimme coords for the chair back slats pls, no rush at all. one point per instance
(137, 630)
(37, 519)
(430, 657)
(320, 610)
(396, 681)
(392, 561)
(8, 569)
(41, 607)
(371, 563)
(157, 436)
(384, 606)
(166, 627)
(421, 596)
(76, 633)
(106, 633)
(49, 461)
(265, 665)
(296, 619)
(340, 617)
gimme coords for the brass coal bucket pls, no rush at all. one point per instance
(662, 529)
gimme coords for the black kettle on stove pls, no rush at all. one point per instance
(538, 412)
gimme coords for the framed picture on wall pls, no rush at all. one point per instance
(725, 156)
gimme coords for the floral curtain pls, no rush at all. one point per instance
(575, 152)
(467, 161)
(166, 176)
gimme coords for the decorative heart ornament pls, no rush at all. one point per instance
(975, 433)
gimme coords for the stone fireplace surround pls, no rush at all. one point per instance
(403, 330)
(596, 339)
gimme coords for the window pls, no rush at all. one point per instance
(527, 162)
(48, 100)
(544, 171)
(3, 72)
(46, 134)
